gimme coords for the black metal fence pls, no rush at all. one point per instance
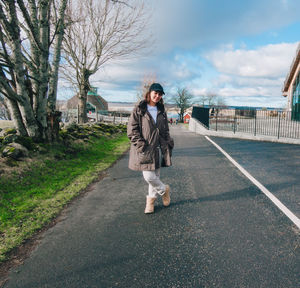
(256, 122)
(202, 115)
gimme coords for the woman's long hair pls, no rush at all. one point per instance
(147, 98)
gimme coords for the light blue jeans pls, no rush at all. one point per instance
(155, 185)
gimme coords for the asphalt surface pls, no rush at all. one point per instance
(219, 231)
(276, 166)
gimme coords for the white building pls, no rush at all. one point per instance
(291, 87)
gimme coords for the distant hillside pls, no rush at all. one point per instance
(128, 106)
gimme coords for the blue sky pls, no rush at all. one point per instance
(239, 50)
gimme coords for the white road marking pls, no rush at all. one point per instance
(279, 204)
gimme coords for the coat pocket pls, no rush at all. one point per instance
(145, 157)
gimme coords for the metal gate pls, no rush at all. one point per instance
(202, 115)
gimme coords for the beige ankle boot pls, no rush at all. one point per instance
(150, 205)
(166, 197)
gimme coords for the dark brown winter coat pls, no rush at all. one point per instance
(146, 137)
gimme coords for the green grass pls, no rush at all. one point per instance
(30, 200)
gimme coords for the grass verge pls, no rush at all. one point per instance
(30, 200)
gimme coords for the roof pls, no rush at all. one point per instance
(292, 70)
(95, 100)
(98, 102)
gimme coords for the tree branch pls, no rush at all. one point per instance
(10, 93)
(121, 2)
(32, 28)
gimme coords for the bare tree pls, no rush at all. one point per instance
(211, 99)
(145, 85)
(101, 30)
(31, 32)
(221, 103)
(202, 100)
(183, 100)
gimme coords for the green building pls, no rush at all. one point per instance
(94, 102)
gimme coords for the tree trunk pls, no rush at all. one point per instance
(8, 111)
(35, 52)
(16, 116)
(30, 65)
(29, 120)
(25, 105)
(19, 70)
(181, 116)
(82, 97)
(57, 54)
(41, 114)
(53, 120)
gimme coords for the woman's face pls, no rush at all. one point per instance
(154, 97)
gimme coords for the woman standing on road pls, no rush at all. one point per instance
(148, 132)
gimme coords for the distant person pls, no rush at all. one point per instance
(148, 132)
(171, 121)
(176, 121)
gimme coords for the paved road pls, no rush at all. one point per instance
(220, 230)
(276, 166)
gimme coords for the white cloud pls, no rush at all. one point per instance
(253, 75)
(237, 81)
(180, 69)
(285, 4)
(243, 92)
(246, 77)
(190, 23)
(252, 96)
(256, 82)
(267, 61)
(184, 30)
(115, 71)
(199, 91)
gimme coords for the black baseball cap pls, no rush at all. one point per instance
(156, 87)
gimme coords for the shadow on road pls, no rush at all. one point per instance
(226, 196)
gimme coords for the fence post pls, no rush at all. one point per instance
(234, 125)
(255, 124)
(278, 124)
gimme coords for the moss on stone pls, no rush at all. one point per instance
(9, 138)
(10, 131)
(26, 142)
